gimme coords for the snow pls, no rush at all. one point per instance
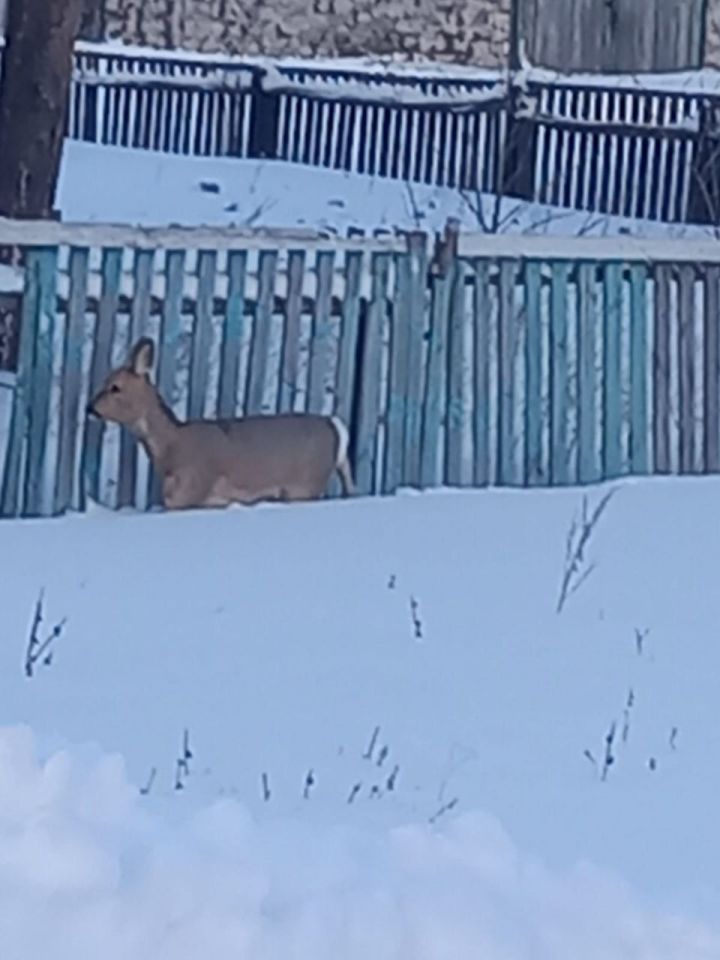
(280, 637)
(160, 188)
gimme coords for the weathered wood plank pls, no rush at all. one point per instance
(417, 298)
(261, 333)
(398, 376)
(290, 352)
(44, 269)
(661, 370)
(612, 395)
(534, 472)
(232, 334)
(587, 319)
(455, 418)
(322, 334)
(202, 334)
(369, 400)
(507, 341)
(686, 365)
(12, 502)
(170, 331)
(711, 371)
(481, 375)
(143, 275)
(71, 380)
(559, 473)
(433, 403)
(100, 365)
(639, 463)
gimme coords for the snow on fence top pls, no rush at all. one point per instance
(29, 233)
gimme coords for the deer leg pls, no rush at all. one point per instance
(346, 478)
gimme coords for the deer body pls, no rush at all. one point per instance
(213, 463)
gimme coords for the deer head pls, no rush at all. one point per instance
(128, 395)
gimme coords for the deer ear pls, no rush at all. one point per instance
(142, 356)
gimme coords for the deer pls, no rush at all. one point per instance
(216, 463)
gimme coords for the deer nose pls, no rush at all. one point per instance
(90, 410)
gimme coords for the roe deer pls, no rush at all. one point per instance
(212, 463)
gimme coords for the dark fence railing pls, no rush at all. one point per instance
(618, 149)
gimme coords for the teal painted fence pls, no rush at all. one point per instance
(522, 362)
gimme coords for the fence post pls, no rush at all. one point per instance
(264, 118)
(519, 151)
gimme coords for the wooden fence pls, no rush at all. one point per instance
(520, 361)
(611, 146)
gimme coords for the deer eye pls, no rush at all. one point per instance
(114, 388)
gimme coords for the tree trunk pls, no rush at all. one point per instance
(34, 90)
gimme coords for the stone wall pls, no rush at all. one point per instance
(712, 34)
(462, 31)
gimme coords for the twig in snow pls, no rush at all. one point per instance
(392, 581)
(179, 785)
(588, 755)
(149, 783)
(640, 636)
(373, 741)
(415, 616)
(375, 792)
(309, 784)
(265, 788)
(673, 738)
(392, 779)
(445, 808)
(626, 715)
(382, 756)
(609, 757)
(577, 541)
(354, 792)
(652, 764)
(41, 650)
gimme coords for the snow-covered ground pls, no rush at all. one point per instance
(471, 823)
(118, 185)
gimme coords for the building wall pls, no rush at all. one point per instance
(463, 31)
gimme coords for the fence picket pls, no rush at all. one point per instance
(433, 406)
(455, 418)
(481, 379)
(417, 294)
(232, 334)
(37, 262)
(289, 360)
(398, 382)
(202, 335)
(369, 399)
(711, 372)
(71, 382)
(140, 314)
(638, 370)
(559, 374)
(261, 331)
(45, 275)
(612, 393)
(588, 471)
(686, 371)
(661, 371)
(507, 342)
(534, 472)
(100, 364)
(323, 331)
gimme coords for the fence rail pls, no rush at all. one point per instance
(610, 147)
(518, 361)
